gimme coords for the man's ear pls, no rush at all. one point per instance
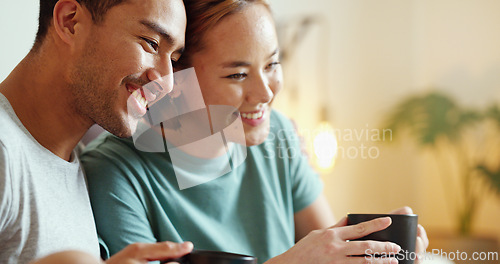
(67, 17)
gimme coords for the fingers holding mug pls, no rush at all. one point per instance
(402, 231)
(364, 228)
(370, 247)
(371, 260)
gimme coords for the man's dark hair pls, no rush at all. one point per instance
(97, 9)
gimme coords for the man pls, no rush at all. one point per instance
(89, 63)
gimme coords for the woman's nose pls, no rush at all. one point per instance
(260, 92)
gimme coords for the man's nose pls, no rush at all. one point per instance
(161, 80)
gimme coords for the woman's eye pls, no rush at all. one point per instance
(272, 65)
(237, 76)
(151, 43)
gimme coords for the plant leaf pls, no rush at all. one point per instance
(494, 113)
(430, 117)
(492, 176)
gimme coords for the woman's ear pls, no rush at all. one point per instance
(68, 17)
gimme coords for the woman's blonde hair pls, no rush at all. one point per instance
(202, 15)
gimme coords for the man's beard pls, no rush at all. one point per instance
(92, 100)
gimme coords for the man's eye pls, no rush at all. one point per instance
(237, 76)
(272, 65)
(151, 43)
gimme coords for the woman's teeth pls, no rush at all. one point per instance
(252, 115)
(140, 99)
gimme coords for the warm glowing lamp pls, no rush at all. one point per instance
(325, 144)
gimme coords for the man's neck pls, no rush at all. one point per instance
(41, 99)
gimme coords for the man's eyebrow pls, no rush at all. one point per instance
(161, 31)
(236, 64)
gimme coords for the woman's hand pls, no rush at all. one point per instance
(422, 240)
(142, 253)
(331, 245)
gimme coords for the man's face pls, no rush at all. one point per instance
(132, 46)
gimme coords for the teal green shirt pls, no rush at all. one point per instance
(135, 196)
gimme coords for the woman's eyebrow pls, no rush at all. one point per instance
(236, 64)
(274, 52)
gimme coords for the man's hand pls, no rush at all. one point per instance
(142, 253)
(139, 253)
(68, 257)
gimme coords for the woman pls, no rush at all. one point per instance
(260, 208)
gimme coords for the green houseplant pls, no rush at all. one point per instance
(465, 143)
(490, 171)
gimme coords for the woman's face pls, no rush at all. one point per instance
(239, 66)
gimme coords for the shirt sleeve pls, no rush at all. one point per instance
(5, 191)
(306, 183)
(119, 210)
(103, 249)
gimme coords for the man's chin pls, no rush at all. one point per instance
(122, 129)
(122, 133)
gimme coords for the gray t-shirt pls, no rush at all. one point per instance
(44, 203)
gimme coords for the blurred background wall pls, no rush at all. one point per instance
(18, 26)
(376, 54)
(359, 58)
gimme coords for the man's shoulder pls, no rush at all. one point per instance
(10, 130)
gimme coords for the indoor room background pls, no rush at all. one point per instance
(349, 62)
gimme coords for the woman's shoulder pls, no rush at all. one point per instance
(281, 125)
(279, 119)
(107, 147)
(107, 142)
(110, 161)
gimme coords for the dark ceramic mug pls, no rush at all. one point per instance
(402, 231)
(213, 257)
